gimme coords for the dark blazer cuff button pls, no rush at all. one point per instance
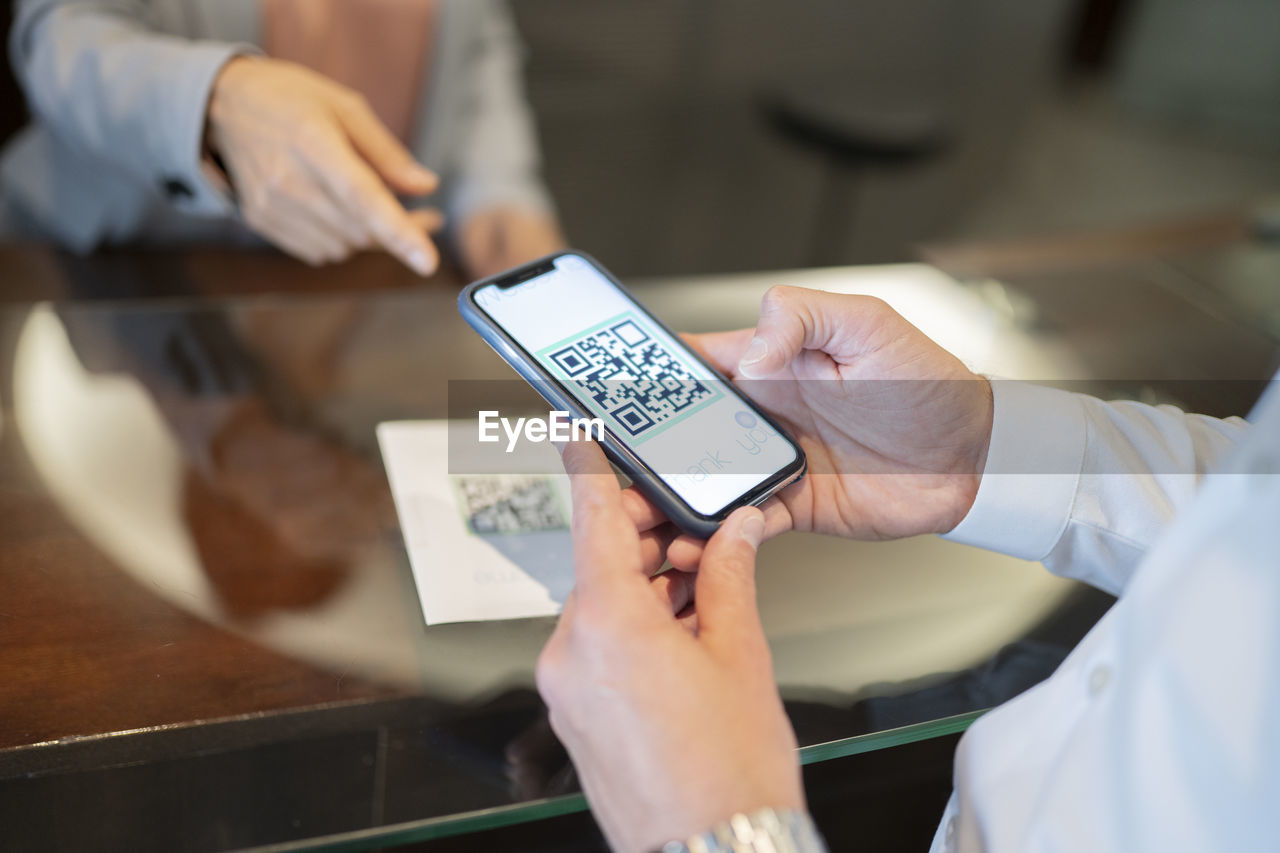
(176, 188)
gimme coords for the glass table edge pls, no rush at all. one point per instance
(516, 813)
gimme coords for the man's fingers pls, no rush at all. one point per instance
(795, 319)
(388, 156)
(688, 619)
(726, 584)
(653, 548)
(585, 457)
(685, 551)
(641, 510)
(674, 590)
(604, 537)
(787, 326)
(361, 193)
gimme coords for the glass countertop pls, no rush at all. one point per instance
(211, 638)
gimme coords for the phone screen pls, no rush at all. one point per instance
(687, 425)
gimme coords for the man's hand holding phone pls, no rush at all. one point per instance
(674, 730)
(671, 729)
(895, 428)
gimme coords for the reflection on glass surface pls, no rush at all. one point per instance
(105, 451)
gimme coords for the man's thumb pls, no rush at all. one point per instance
(725, 590)
(795, 319)
(785, 328)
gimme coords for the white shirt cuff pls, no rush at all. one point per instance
(1033, 469)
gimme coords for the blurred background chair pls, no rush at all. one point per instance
(659, 159)
(852, 134)
(1058, 115)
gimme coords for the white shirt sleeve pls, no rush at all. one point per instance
(1158, 731)
(1085, 486)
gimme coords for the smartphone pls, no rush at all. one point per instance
(683, 434)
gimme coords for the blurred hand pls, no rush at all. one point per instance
(896, 429)
(498, 238)
(280, 517)
(671, 730)
(315, 171)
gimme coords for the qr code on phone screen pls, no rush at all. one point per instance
(509, 503)
(630, 375)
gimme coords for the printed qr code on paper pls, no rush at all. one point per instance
(509, 503)
(631, 376)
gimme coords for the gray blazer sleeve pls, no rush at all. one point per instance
(105, 83)
(494, 158)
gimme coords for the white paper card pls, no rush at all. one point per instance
(482, 546)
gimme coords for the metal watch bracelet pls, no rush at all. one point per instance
(763, 831)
